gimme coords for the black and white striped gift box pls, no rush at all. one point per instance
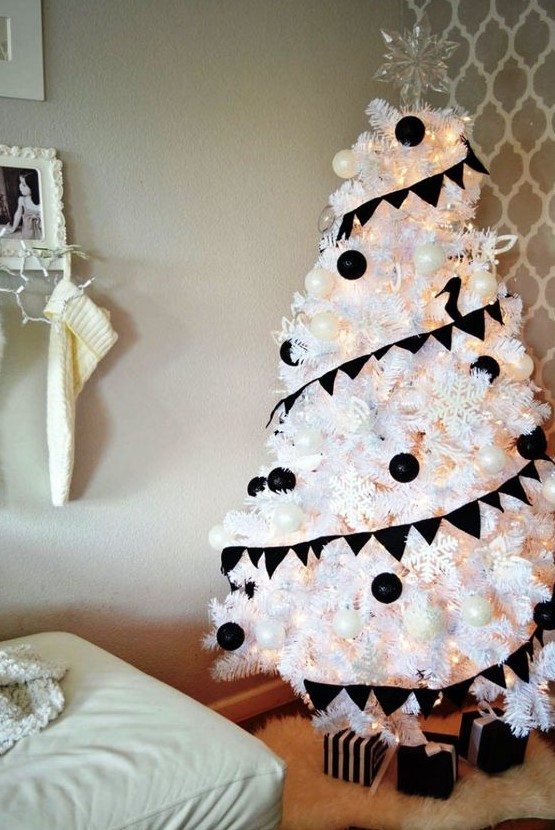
(352, 758)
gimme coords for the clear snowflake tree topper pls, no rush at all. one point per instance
(416, 61)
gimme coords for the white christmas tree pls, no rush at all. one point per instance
(399, 547)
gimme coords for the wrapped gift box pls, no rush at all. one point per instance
(486, 742)
(353, 758)
(428, 769)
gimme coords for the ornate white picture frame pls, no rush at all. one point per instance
(21, 58)
(31, 206)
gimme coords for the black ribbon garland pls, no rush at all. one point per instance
(394, 539)
(392, 698)
(427, 189)
(472, 323)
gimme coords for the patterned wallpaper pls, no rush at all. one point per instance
(503, 74)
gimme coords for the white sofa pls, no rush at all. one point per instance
(131, 752)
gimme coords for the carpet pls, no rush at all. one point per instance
(314, 801)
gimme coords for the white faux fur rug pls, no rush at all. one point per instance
(314, 801)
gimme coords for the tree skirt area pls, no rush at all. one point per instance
(315, 801)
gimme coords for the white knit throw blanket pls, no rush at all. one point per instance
(30, 697)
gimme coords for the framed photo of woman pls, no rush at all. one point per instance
(31, 206)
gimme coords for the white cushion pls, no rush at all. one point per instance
(131, 752)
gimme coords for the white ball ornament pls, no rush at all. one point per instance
(319, 282)
(308, 441)
(269, 634)
(476, 611)
(424, 624)
(491, 459)
(483, 283)
(428, 258)
(548, 489)
(219, 538)
(288, 517)
(520, 369)
(345, 164)
(347, 623)
(325, 325)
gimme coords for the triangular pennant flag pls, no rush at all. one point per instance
(444, 335)
(391, 698)
(496, 675)
(397, 197)
(455, 173)
(414, 343)
(426, 699)
(302, 551)
(473, 323)
(466, 518)
(321, 694)
(359, 695)
(327, 381)
(356, 541)
(429, 189)
(472, 160)
(514, 488)
(458, 691)
(493, 499)
(428, 528)
(538, 634)
(318, 545)
(518, 662)
(230, 558)
(353, 367)
(274, 557)
(379, 353)
(346, 227)
(494, 311)
(366, 211)
(393, 539)
(530, 471)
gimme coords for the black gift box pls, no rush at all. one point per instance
(352, 758)
(429, 769)
(488, 743)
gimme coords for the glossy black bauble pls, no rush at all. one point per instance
(533, 445)
(285, 354)
(387, 587)
(280, 480)
(410, 130)
(230, 636)
(487, 364)
(544, 615)
(256, 485)
(351, 265)
(404, 467)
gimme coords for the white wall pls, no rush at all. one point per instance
(196, 137)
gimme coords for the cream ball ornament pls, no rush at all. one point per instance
(308, 441)
(347, 623)
(424, 624)
(219, 538)
(325, 325)
(269, 634)
(288, 517)
(491, 459)
(483, 283)
(319, 282)
(548, 489)
(476, 611)
(345, 164)
(520, 369)
(428, 258)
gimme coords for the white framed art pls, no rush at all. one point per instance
(31, 204)
(21, 61)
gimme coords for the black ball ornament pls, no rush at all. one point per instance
(351, 265)
(487, 364)
(285, 354)
(544, 615)
(387, 587)
(533, 445)
(404, 467)
(410, 131)
(281, 480)
(256, 485)
(230, 636)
